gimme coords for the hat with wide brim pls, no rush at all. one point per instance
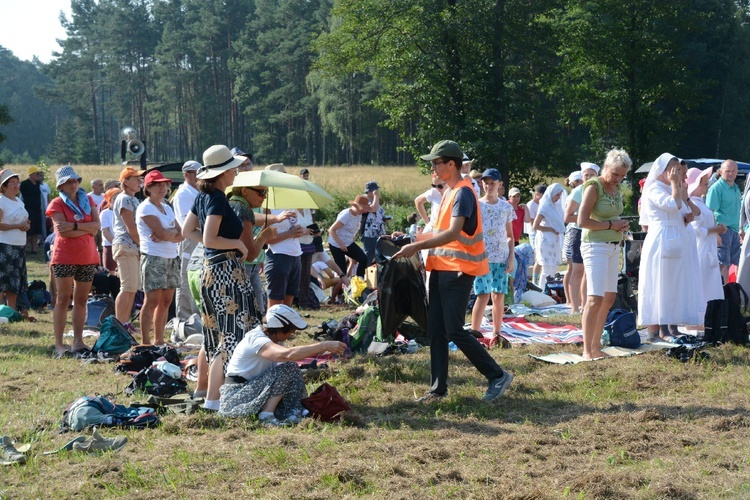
(64, 174)
(694, 176)
(216, 160)
(360, 201)
(5, 175)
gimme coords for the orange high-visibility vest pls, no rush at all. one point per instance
(465, 254)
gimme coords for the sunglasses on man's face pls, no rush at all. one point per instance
(439, 186)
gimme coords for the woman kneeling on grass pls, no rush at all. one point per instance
(262, 376)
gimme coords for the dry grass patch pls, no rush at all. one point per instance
(640, 427)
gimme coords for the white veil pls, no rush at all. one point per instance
(553, 213)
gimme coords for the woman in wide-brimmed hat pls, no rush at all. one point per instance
(342, 233)
(74, 256)
(227, 306)
(14, 223)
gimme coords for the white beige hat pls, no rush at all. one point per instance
(277, 167)
(216, 160)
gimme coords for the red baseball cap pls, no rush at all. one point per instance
(155, 176)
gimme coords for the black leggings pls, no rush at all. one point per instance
(355, 252)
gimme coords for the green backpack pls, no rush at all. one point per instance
(368, 329)
(10, 313)
(114, 338)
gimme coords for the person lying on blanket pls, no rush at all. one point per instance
(262, 376)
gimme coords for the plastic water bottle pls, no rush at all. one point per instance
(169, 369)
(412, 347)
(452, 346)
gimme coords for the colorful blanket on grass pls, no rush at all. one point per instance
(521, 331)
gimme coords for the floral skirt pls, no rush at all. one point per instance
(227, 305)
(13, 269)
(246, 400)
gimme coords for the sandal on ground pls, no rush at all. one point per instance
(64, 354)
(671, 339)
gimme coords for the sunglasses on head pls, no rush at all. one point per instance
(261, 192)
(439, 186)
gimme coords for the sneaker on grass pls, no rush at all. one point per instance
(497, 387)
(11, 455)
(98, 444)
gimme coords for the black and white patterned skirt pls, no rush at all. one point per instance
(227, 305)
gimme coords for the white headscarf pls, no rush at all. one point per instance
(660, 164)
(553, 213)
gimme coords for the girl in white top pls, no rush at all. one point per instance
(707, 238)
(159, 234)
(106, 217)
(342, 233)
(549, 224)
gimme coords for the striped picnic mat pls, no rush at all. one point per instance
(521, 331)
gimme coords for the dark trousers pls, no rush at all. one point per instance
(355, 252)
(449, 297)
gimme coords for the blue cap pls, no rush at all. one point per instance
(493, 174)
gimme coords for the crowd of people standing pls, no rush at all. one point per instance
(468, 240)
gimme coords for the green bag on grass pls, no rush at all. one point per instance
(10, 313)
(114, 338)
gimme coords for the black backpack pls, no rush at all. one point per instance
(153, 381)
(724, 323)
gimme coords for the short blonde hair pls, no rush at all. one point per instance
(618, 158)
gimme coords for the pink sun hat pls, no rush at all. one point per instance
(694, 176)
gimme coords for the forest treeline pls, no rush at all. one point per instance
(521, 84)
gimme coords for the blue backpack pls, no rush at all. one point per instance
(88, 411)
(622, 330)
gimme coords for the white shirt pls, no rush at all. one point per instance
(528, 227)
(245, 361)
(98, 198)
(289, 246)
(166, 249)
(434, 196)
(14, 212)
(183, 201)
(106, 220)
(348, 231)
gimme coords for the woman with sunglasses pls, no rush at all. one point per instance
(243, 201)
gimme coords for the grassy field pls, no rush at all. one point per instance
(641, 427)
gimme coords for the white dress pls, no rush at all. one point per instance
(708, 259)
(667, 280)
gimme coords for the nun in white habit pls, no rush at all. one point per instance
(667, 282)
(706, 233)
(550, 227)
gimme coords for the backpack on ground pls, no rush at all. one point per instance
(37, 294)
(734, 292)
(621, 327)
(155, 382)
(625, 298)
(368, 328)
(114, 338)
(87, 411)
(142, 356)
(724, 323)
(98, 308)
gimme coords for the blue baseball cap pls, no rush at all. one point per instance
(493, 174)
